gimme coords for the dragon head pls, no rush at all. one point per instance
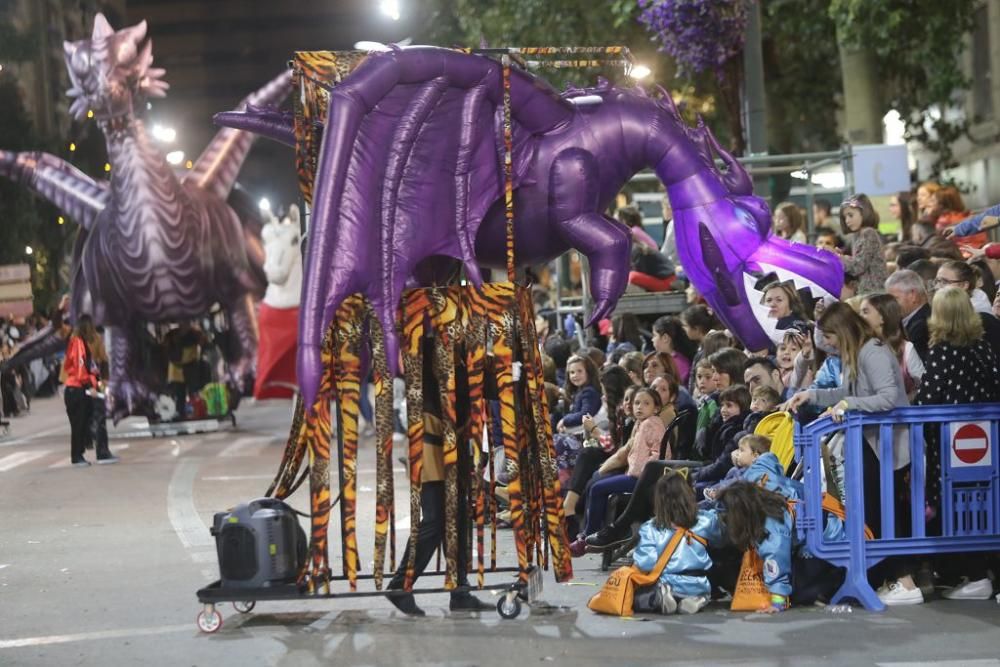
(111, 71)
(723, 231)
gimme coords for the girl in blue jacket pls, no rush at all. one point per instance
(757, 518)
(683, 585)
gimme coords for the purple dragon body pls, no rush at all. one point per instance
(155, 245)
(411, 169)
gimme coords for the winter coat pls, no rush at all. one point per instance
(687, 570)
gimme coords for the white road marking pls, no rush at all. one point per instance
(12, 461)
(235, 478)
(237, 447)
(89, 636)
(204, 556)
(184, 518)
(986, 662)
(35, 436)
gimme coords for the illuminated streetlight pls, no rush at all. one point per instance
(90, 113)
(62, 220)
(264, 204)
(72, 147)
(164, 134)
(175, 157)
(28, 250)
(640, 72)
(390, 8)
(107, 166)
(189, 164)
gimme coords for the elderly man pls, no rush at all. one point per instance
(907, 287)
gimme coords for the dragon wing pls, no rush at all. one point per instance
(408, 166)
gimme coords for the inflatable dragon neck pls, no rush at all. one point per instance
(411, 169)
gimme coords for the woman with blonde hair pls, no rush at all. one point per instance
(961, 369)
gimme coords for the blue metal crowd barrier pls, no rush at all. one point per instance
(970, 488)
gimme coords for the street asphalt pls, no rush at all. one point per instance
(99, 566)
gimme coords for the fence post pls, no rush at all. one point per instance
(856, 580)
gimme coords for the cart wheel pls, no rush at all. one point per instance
(244, 606)
(509, 607)
(209, 621)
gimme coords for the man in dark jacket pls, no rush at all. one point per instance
(907, 287)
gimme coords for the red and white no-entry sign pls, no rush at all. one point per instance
(970, 444)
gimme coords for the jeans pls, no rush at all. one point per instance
(597, 498)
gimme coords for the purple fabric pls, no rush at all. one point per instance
(410, 172)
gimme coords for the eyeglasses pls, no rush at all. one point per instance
(940, 282)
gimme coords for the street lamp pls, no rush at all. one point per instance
(640, 72)
(164, 134)
(390, 8)
(264, 204)
(28, 250)
(175, 157)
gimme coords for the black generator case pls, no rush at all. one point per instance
(259, 544)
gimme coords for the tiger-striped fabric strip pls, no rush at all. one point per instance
(384, 488)
(416, 305)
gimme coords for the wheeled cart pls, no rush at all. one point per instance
(509, 602)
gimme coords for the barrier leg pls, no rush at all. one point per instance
(856, 581)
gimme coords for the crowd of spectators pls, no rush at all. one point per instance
(916, 324)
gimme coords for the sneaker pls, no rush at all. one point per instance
(82, 463)
(693, 605)
(577, 548)
(668, 603)
(107, 460)
(970, 590)
(899, 596)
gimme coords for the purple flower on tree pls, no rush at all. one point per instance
(698, 34)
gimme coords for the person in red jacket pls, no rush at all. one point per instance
(81, 381)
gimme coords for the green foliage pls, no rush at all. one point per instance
(475, 23)
(917, 45)
(802, 75)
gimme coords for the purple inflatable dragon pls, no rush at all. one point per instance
(411, 169)
(155, 245)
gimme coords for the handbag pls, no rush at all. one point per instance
(618, 592)
(751, 594)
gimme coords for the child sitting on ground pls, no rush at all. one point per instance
(643, 446)
(683, 584)
(756, 518)
(750, 448)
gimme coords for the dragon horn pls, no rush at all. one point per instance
(138, 31)
(668, 101)
(102, 28)
(735, 177)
